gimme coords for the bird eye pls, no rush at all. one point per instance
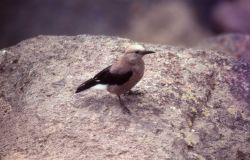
(136, 51)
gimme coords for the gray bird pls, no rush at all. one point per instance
(120, 77)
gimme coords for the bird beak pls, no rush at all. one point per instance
(147, 52)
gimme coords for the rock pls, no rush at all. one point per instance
(236, 45)
(195, 103)
(232, 16)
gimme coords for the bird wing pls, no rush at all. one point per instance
(106, 77)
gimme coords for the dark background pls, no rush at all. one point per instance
(156, 21)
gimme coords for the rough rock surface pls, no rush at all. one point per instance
(195, 103)
(236, 45)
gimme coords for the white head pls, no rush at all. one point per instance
(137, 49)
(134, 53)
(134, 48)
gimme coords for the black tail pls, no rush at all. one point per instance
(86, 85)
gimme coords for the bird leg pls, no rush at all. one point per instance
(136, 93)
(124, 108)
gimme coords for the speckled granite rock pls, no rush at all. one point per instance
(195, 103)
(236, 45)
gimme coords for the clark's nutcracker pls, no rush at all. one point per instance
(120, 77)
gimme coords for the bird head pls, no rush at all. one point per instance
(137, 50)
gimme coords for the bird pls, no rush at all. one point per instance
(122, 75)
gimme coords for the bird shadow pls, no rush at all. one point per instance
(107, 103)
(108, 108)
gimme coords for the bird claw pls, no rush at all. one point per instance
(125, 110)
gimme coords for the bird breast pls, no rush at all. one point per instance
(138, 71)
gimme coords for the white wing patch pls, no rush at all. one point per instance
(100, 86)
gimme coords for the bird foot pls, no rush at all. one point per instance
(125, 110)
(136, 93)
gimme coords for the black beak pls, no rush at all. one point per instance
(147, 52)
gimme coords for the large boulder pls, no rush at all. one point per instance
(195, 103)
(236, 45)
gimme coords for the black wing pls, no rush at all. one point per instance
(105, 77)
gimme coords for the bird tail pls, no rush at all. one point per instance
(86, 85)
